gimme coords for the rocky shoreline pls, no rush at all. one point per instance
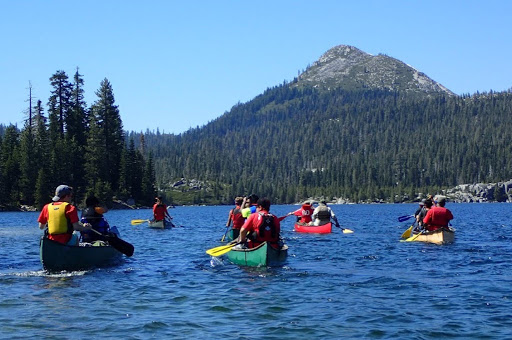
(464, 193)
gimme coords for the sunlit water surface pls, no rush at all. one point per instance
(362, 285)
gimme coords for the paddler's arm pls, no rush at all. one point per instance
(82, 226)
(228, 223)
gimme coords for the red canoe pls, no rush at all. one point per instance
(321, 229)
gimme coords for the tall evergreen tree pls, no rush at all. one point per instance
(77, 126)
(110, 127)
(60, 157)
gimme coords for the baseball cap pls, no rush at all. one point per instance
(61, 191)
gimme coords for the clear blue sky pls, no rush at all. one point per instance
(174, 65)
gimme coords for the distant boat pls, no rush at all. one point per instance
(439, 236)
(160, 224)
(321, 229)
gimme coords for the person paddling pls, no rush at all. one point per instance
(427, 205)
(261, 227)
(61, 217)
(93, 214)
(304, 213)
(323, 215)
(438, 217)
(235, 217)
(160, 212)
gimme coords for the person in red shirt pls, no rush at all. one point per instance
(160, 210)
(61, 217)
(261, 227)
(235, 217)
(304, 214)
(438, 217)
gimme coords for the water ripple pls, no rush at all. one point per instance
(361, 285)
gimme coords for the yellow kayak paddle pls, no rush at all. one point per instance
(407, 233)
(135, 222)
(221, 250)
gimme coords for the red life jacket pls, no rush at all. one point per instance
(306, 213)
(267, 231)
(238, 219)
(159, 211)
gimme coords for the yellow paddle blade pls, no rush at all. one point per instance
(218, 251)
(135, 222)
(410, 239)
(347, 231)
(407, 233)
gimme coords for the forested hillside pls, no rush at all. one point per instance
(352, 126)
(295, 142)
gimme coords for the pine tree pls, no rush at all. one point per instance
(77, 127)
(106, 116)
(60, 156)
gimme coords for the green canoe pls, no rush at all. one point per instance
(163, 224)
(262, 255)
(56, 256)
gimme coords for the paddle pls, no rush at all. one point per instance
(170, 222)
(405, 218)
(345, 230)
(218, 251)
(224, 236)
(135, 222)
(410, 239)
(117, 243)
(408, 232)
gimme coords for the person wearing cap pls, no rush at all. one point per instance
(418, 211)
(427, 205)
(323, 214)
(61, 217)
(160, 210)
(438, 217)
(304, 213)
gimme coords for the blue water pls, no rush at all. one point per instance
(361, 285)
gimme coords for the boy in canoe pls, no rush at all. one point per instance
(323, 215)
(61, 217)
(304, 214)
(160, 210)
(261, 227)
(93, 214)
(438, 217)
(235, 217)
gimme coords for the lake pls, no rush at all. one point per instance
(362, 285)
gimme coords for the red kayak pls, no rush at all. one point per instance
(321, 229)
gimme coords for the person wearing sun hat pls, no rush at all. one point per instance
(61, 217)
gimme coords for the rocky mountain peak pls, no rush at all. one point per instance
(350, 68)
